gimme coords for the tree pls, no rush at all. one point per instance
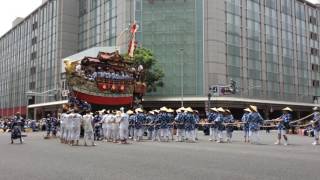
(152, 72)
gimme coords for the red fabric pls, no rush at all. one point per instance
(104, 100)
(12, 111)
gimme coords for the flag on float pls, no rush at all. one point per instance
(133, 30)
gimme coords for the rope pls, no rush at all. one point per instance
(301, 119)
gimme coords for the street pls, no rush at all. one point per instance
(39, 159)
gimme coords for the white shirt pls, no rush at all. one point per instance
(63, 119)
(124, 122)
(77, 120)
(87, 122)
(116, 120)
(69, 120)
(110, 119)
(105, 121)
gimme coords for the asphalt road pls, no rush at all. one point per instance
(39, 159)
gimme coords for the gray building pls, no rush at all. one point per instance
(30, 55)
(269, 47)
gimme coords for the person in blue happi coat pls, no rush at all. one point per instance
(179, 122)
(316, 125)
(156, 125)
(189, 121)
(170, 123)
(17, 125)
(196, 126)
(211, 116)
(283, 125)
(255, 122)
(219, 123)
(140, 119)
(228, 120)
(51, 123)
(245, 121)
(150, 123)
(164, 120)
(97, 126)
(132, 118)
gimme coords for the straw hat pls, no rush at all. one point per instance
(182, 109)
(253, 108)
(129, 112)
(151, 112)
(189, 109)
(287, 109)
(156, 111)
(178, 110)
(220, 109)
(227, 110)
(214, 109)
(247, 110)
(139, 110)
(170, 110)
(315, 108)
(163, 108)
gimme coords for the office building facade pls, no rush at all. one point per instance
(31, 53)
(269, 47)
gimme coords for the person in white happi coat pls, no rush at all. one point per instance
(109, 121)
(104, 122)
(124, 127)
(69, 127)
(87, 121)
(63, 129)
(115, 126)
(76, 128)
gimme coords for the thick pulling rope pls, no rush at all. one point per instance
(301, 119)
(237, 123)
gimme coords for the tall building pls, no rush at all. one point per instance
(31, 53)
(269, 47)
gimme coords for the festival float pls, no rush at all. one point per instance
(108, 79)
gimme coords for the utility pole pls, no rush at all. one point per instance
(182, 75)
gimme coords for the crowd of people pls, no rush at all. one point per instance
(103, 74)
(162, 125)
(166, 124)
(6, 124)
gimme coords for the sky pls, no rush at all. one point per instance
(10, 9)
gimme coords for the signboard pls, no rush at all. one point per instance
(64, 93)
(219, 90)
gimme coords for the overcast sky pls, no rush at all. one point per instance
(10, 9)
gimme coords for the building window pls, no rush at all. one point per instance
(314, 51)
(33, 55)
(315, 83)
(315, 67)
(32, 85)
(34, 26)
(82, 7)
(313, 36)
(313, 20)
(32, 70)
(34, 41)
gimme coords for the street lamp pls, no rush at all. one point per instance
(182, 74)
